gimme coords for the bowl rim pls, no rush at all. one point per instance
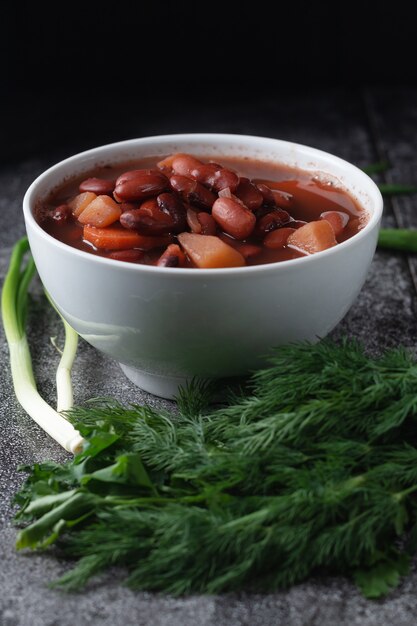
(372, 190)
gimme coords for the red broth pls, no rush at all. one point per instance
(256, 217)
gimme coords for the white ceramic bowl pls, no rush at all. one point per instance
(166, 325)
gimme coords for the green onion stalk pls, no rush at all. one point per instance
(401, 239)
(14, 308)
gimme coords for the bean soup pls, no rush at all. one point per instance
(183, 211)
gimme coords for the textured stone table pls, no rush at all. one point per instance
(361, 127)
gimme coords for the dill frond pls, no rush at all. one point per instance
(311, 467)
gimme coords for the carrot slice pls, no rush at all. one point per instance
(313, 237)
(120, 239)
(207, 251)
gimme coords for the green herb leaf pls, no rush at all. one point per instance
(382, 577)
(73, 509)
(128, 470)
(97, 443)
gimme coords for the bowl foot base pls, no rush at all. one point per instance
(162, 386)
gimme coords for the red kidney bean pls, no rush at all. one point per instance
(148, 220)
(166, 164)
(203, 172)
(249, 250)
(208, 224)
(271, 221)
(233, 218)
(60, 214)
(225, 178)
(134, 174)
(99, 186)
(216, 179)
(183, 164)
(172, 206)
(150, 208)
(263, 210)
(128, 206)
(278, 238)
(132, 219)
(140, 184)
(250, 195)
(172, 257)
(267, 194)
(127, 255)
(282, 198)
(191, 191)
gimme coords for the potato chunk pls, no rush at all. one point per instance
(101, 212)
(207, 251)
(80, 202)
(337, 220)
(313, 237)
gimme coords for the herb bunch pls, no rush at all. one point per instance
(310, 468)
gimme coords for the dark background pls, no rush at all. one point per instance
(78, 75)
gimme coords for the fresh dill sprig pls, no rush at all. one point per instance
(311, 468)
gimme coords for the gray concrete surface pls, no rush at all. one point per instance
(384, 315)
